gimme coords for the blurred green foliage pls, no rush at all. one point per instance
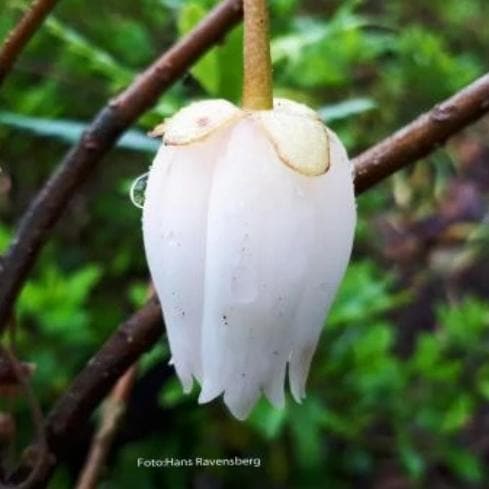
(375, 408)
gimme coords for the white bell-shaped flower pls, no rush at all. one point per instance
(248, 226)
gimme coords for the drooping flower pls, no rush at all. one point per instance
(248, 226)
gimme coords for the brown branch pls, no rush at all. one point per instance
(22, 33)
(48, 206)
(121, 350)
(113, 411)
(423, 135)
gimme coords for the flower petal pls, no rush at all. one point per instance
(294, 108)
(260, 228)
(301, 142)
(174, 227)
(335, 217)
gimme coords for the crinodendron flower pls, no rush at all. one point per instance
(248, 226)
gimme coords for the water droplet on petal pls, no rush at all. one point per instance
(138, 190)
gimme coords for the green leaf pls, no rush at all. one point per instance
(482, 381)
(5, 236)
(267, 420)
(464, 463)
(171, 394)
(376, 339)
(219, 71)
(306, 430)
(458, 414)
(427, 353)
(206, 70)
(95, 58)
(138, 293)
(230, 55)
(465, 322)
(411, 457)
(348, 108)
(307, 59)
(364, 295)
(70, 131)
(57, 300)
(159, 353)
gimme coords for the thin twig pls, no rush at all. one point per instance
(40, 451)
(423, 135)
(20, 35)
(48, 206)
(113, 411)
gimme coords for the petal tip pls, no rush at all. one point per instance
(208, 393)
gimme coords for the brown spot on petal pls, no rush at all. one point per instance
(198, 120)
(203, 121)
